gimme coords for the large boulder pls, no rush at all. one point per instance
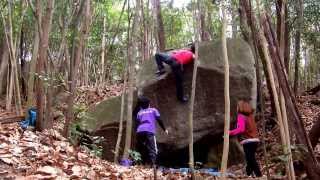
(208, 106)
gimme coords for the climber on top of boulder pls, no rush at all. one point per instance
(176, 60)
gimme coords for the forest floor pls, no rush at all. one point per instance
(48, 155)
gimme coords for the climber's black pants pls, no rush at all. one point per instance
(252, 164)
(147, 147)
(176, 69)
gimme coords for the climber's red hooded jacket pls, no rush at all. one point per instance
(182, 56)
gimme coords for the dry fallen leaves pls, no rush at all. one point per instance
(48, 155)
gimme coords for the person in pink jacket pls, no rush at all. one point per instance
(248, 135)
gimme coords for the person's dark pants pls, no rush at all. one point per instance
(252, 164)
(163, 58)
(176, 69)
(147, 147)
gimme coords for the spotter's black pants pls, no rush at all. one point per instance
(147, 147)
(252, 164)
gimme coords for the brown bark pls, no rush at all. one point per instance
(3, 66)
(132, 37)
(203, 26)
(42, 57)
(32, 69)
(81, 27)
(159, 25)
(117, 148)
(210, 27)
(287, 41)
(234, 19)
(22, 69)
(299, 10)
(281, 39)
(145, 33)
(103, 46)
(224, 161)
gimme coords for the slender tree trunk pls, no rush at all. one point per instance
(197, 32)
(22, 67)
(234, 19)
(224, 160)
(287, 40)
(210, 26)
(49, 94)
(86, 68)
(4, 67)
(131, 55)
(159, 24)
(202, 18)
(282, 42)
(262, 108)
(81, 27)
(9, 89)
(46, 21)
(299, 10)
(117, 148)
(32, 69)
(103, 46)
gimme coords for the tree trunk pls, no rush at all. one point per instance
(81, 28)
(9, 89)
(234, 19)
(224, 161)
(117, 148)
(210, 26)
(203, 26)
(262, 112)
(46, 22)
(103, 46)
(198, 32)
(32, 69)
(49, 94)
(22, 69)
(299, 10)
(281, 38)
(159, 25)
(4, 66)
(287, 40)
(132, 37)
